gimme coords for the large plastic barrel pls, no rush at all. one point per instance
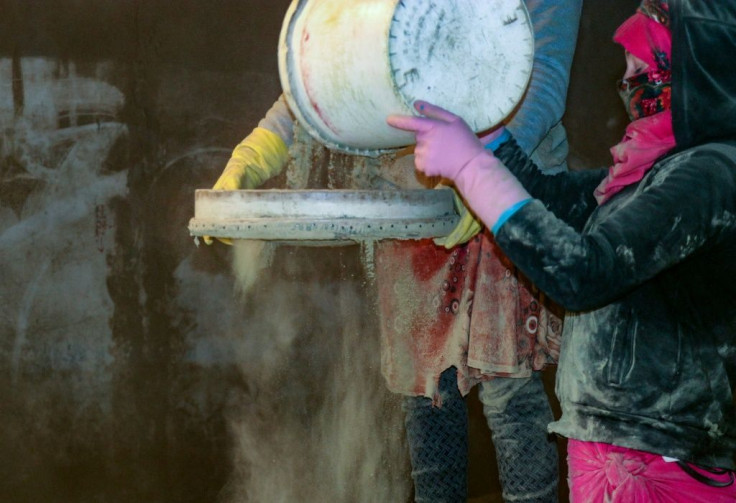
(345, 65)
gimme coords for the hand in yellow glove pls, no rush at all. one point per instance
(260, 156)
(467, 227)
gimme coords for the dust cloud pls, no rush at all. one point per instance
(317, 423)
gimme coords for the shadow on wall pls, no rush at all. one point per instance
(110, 115)
(128, 364)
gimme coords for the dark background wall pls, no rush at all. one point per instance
(118, 378)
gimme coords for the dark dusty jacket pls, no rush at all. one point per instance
(649, 278)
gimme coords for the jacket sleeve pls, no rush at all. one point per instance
(279, 120)
(569, 195)
(683, 206)
(555, 26)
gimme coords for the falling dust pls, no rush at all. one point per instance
(250, 257)
(317, 423)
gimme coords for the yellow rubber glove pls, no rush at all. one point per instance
(260, 156)
(467, 227)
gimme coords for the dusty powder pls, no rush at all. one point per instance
(318, 423)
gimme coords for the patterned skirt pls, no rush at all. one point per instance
(468, 307)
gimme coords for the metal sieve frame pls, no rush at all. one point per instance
(323, 215)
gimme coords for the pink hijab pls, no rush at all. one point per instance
(647, 138)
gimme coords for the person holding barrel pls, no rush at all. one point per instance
(456, 312)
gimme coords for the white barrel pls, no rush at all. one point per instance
(345, 65)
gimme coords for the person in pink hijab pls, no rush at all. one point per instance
(640, 255)
(647, 92)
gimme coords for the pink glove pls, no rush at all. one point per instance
(446, 146)
(445, 143)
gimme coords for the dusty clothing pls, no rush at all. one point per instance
(467, 307)
(648, 358)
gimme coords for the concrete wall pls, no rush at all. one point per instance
(122, 355)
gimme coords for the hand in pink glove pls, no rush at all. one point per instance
(446, 146)
(445, 143)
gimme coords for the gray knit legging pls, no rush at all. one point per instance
(517, 411)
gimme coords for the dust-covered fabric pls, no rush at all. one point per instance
(467, 307)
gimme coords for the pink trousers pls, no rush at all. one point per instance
(603, 473)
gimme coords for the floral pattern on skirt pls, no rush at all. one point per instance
(468, 307)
